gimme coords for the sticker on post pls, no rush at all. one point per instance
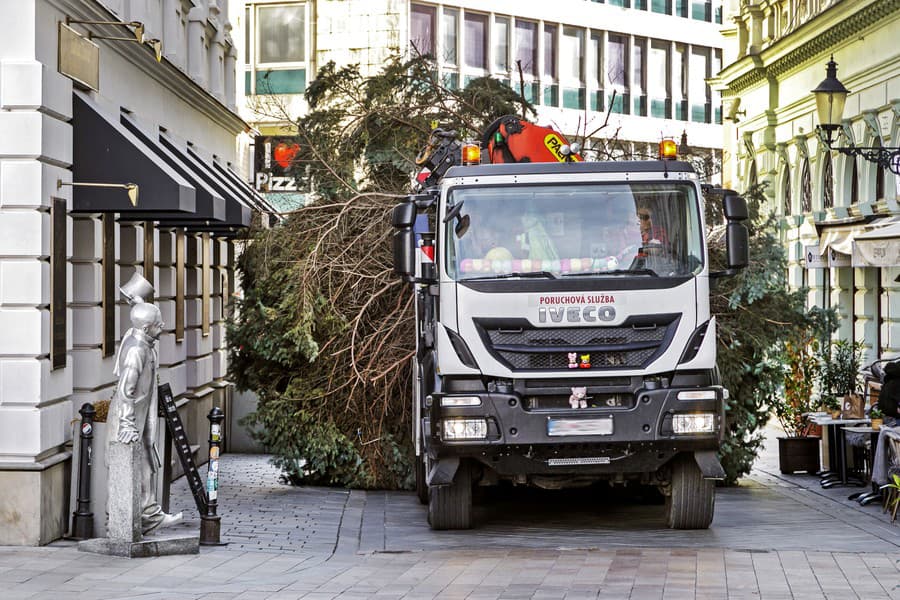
(563, 427)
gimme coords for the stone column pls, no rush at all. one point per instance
(35, 151)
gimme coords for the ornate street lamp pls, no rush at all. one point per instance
(830, 98)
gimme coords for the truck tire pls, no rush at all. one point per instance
(421, 483)
(450, 506)
(692, 500)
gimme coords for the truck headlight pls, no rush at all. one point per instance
(460, 401)
(465, 429)
(697, 395)
(694, 423)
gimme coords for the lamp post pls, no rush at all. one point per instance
(830, 98)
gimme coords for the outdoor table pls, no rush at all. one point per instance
(836, 449)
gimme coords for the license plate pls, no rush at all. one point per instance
(562, 427)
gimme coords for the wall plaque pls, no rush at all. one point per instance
(79, 58)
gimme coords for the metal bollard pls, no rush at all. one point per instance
(83, 518)
(211, 524)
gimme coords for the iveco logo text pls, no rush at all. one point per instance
(576, 314)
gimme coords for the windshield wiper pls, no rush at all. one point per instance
(526, 275)
(649, 272)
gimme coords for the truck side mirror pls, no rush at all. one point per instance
(403, 215)
(737, 238)
(737, 241)
(404, 253)
(734, 206)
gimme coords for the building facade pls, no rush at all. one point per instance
(78, 109)
(645, 62)
(828, 203)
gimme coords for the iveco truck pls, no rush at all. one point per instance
(563, 325)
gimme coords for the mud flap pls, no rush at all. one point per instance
(443, 471)
(709, 465)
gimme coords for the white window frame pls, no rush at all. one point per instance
(252, 66)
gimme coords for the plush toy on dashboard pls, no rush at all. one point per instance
(578, 399)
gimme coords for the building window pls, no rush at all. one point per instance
(638, 86)
(663, 7)
(880, 175)
(526, 53)
(659, 80)
(698, 89)
(551, 90)
(752, 178)
(680, 84)
(805, 188)
(450, 37)
(617, 72)
(854, 182)
(786, 191)
(527, 47)
(501, 45)
(58, 237)
(475, 46)
(179, 284)
(276, 47)
(595, 72)
(827, 182)
(716, 97)
(572, 68)
(108, 299)
(421, 28)
(702, 10)
(206, 284)
(681, 8)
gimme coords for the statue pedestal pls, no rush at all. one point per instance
(124, 500)
(124, 509)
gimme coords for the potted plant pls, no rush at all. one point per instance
(840, 377)
(877, 417)
(797, 360)
(831, 405)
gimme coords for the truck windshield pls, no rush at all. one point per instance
(589, 230)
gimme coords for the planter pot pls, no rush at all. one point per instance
(798, 454)
(877, 423)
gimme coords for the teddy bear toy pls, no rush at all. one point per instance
(578, 399)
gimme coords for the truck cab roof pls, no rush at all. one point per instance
(631, 166)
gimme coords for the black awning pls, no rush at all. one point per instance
(104, 151)
(237, 214)
(210, 204)
(255, 197)
(216, 170)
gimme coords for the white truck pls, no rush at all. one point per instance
(564, 333)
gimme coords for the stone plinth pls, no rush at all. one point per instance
(151, 545)
(124, 500)
(124, 508)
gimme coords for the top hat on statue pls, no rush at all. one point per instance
(137, 289)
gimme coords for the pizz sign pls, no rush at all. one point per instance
(274, 159)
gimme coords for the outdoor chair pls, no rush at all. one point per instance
(890, 495)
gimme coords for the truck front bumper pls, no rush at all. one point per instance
(499, 431)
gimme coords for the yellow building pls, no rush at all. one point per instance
(831, 205)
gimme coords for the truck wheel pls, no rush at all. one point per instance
(692, 500)
(450, 506)
(421, 483)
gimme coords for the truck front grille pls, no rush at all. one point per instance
(633, 344)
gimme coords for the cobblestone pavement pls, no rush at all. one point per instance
(774, 536)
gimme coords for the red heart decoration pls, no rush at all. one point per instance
(284, 154)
